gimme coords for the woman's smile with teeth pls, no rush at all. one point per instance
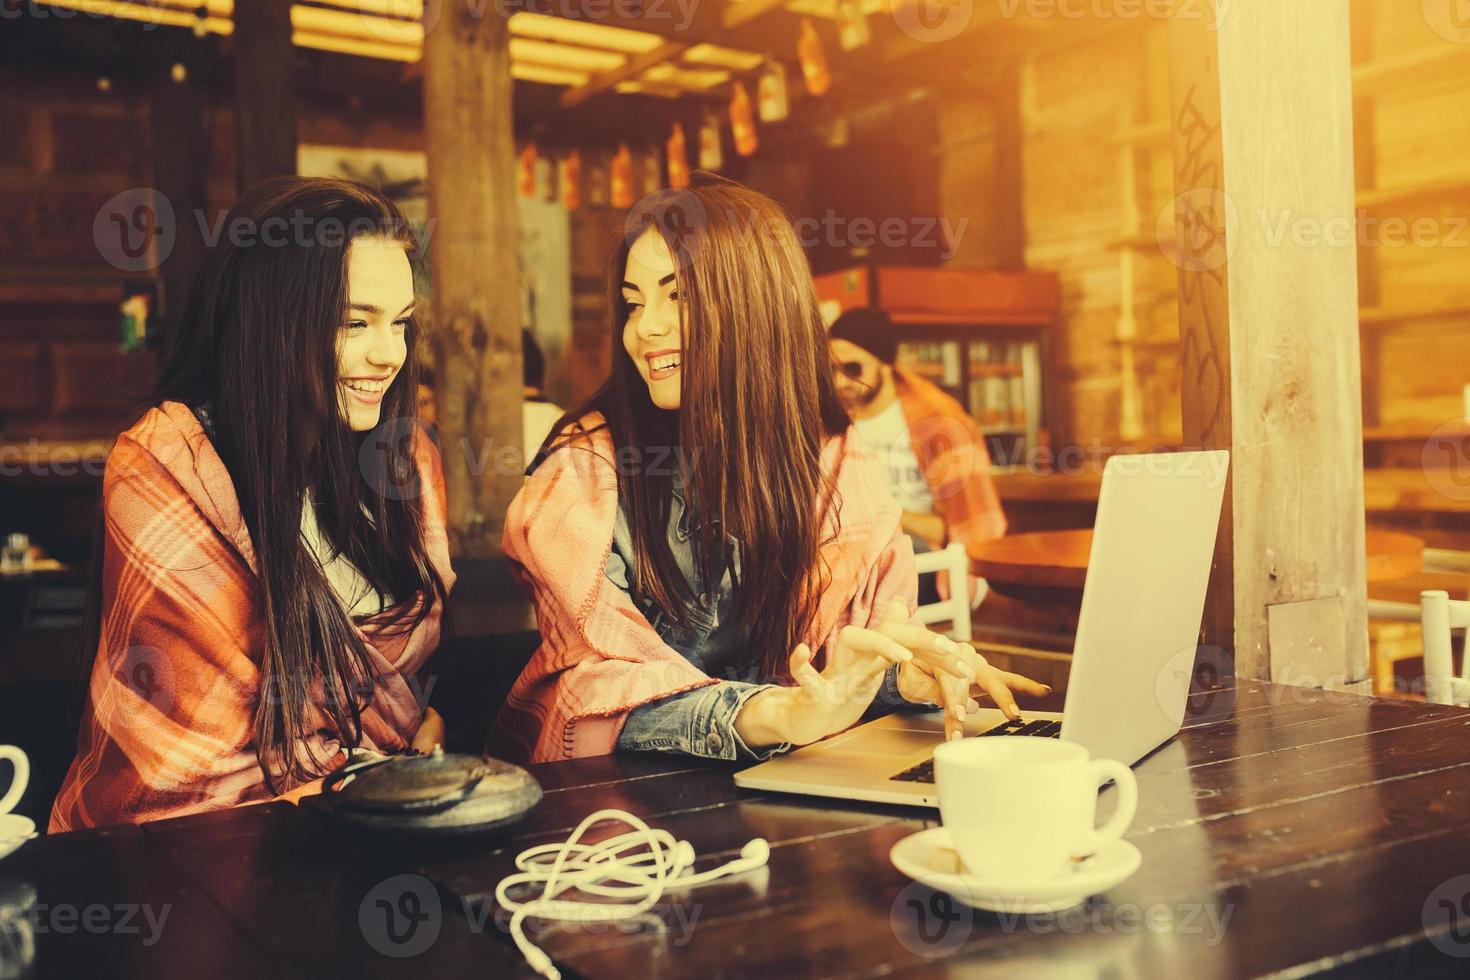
(662, 365)
(371, 387)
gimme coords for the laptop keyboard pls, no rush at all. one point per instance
(924, 771)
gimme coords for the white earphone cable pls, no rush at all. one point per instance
(634, 869)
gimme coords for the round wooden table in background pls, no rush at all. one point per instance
(1048, 564)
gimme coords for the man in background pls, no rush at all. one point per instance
(938, 465)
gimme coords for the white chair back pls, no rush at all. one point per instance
(1440, 615)
(956, 609)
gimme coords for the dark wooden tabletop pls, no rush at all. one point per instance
(1284, 832)
(1057, 560)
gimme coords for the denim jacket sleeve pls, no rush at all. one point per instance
(702, 722)
(699, 722)
(888, 699)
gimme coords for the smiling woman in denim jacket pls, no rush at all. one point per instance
(716, 561)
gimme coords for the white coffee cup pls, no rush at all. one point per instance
(1023, 807)
(16, 757)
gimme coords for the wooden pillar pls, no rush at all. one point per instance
(1265, 247)
(473, 247)
(265, 92)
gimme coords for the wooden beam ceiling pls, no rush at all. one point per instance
(892, 62)
(634, 67)
(746, 11)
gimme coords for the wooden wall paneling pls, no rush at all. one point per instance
(1092, 142)
(1414, 231)
(102, 139)
(22, 369)
(92, 380)
(16, 231)
(970, 179)
(1423, 369)
(180, 151)
(1262, 104)
(15, 123)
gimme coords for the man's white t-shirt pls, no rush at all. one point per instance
(537, 418)
(888, 434)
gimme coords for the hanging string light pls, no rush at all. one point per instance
(622, 178)
(852, 25)
(678, 152)
(742, 121)
(770, 93)
(526, 171)
(711, 154)
(571, 180)
(813, 59)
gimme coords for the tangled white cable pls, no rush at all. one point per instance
(634, 869)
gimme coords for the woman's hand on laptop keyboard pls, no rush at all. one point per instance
(951, 674)
(823, 702)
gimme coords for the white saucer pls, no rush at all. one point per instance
(929, 858)
(15, 830)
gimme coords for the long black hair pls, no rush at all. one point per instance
(256, 350)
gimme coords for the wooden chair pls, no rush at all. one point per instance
(1395, 615)
(956, 609)
(1440, 615)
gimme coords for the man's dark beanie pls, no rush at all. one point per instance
(870, 329)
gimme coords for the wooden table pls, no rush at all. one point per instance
(1283, 830)
(1053, 564)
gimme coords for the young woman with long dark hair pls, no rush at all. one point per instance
(273, 561)
(716, 560)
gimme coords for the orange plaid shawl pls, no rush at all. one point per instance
(599, 658)
(952, 455)
(169, 724)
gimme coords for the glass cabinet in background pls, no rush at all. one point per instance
(980, 335)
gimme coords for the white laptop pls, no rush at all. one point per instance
(1152, 548)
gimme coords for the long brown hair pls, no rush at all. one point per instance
(757, 405)
(257, 345)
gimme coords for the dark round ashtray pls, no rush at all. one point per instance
(437, 795)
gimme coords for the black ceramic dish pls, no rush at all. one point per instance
(438, 795)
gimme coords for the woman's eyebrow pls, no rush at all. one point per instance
(373, 310)
(629, 285)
